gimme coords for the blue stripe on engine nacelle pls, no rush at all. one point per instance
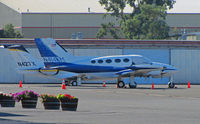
(44, 50)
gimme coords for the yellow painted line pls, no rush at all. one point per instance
(16, 50)
(43, 70)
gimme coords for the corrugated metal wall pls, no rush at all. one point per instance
(63, 25)
(188, 64)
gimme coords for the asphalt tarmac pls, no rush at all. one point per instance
(110, 105)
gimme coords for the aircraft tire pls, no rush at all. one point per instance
(120, 84)
(74, 83)
(67, 83)
(171, 85)
(133, 86)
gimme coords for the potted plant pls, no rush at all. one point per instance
(50, 101)
(68, 102)
(28, 98)
(6, 100)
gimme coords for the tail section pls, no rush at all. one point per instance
(23, 59)
(52, 53)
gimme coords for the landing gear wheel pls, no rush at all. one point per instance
(120, 84)
(133, 86)
(74, 83)
(67, 83)
(171, 85)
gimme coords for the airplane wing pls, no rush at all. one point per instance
(124, 72)
(67, 75)
(138, 70)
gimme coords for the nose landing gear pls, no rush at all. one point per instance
(171, 84)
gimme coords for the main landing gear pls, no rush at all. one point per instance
(121, 84)
(76, 82)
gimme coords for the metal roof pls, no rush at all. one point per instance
(109, 43)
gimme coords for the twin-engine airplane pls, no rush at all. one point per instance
(58, 63)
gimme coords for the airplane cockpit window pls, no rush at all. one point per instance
(117, 60)
(93, 61)
(126, 60)
(100, 61)
(141, 60)
(108, 60)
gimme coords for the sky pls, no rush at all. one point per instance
(186, 6)
(81, 6)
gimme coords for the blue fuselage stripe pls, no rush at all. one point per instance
(78, 68)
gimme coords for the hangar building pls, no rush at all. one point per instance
(72, 19)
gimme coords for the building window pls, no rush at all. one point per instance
(93, 61)
(126, 60)
(100, 61)
(108, 60)
(117, 60)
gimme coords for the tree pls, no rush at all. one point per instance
(147, 20)
(1, 33)
(9, 32)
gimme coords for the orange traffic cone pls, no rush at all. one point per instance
(152, 86)
(20, 84)
(104, 84)
(188, 84)
(63, 84)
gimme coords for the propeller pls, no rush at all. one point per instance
(162, 71)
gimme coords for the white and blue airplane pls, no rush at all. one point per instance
(101, 68)
(58, 63)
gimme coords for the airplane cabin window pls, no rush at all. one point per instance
(93, 61)
(117, 60)
(108, 60)
(100, 61)
(126, 60)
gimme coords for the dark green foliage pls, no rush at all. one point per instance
(147, 20)
(9, 32)
(108, 29)
(1, 33)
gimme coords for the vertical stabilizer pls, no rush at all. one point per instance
(23, 59)
(51, 52)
